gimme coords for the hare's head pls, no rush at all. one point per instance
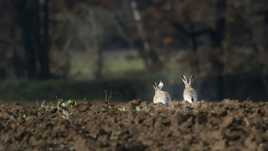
(158, 86)
(187, 81)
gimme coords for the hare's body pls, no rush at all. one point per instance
(189, 93)
(161, 96)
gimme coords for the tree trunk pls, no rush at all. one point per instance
(98, 44)
(17, 61)
(33, 19)
(43, 51)
(99, 62)
(149, 56)
(218, 36)
(194, 37)
(25, 17)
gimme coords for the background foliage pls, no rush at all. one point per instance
(217, 41)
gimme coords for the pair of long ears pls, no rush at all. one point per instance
(187, 81)
(159, 85)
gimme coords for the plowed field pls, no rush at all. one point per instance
(136, 126)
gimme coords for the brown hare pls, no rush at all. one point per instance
(161, 96)
(189, 93)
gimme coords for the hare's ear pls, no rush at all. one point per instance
(184, 79)
(190, 80)
(160, 85)
(155, 85)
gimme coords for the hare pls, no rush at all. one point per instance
(189, 93)
(161, 96)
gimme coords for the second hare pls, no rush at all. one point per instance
(189, 93)
(160, 95)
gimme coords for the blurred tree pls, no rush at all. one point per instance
(43, 33)
(33, 21)
(97, 33)
(218, 37)
(151, 58)
(10, 66)
(25, 16)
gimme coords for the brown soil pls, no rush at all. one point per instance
(136, 126)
